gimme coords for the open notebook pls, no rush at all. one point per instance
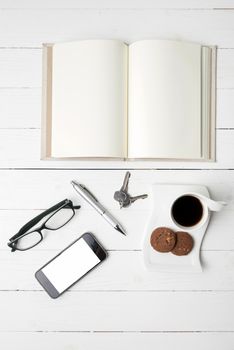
(150, 99)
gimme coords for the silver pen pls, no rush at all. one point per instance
(89, 197)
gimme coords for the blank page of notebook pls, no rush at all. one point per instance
(89, 99)
(164, 118)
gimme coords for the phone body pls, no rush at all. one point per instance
(70, 265)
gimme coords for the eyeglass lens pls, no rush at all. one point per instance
(54, 222)
(59, 219)
(29, 240)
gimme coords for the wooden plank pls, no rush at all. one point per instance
(20, 68)
(225, 68)
(225, 108)
(21, 108)
(116, 341)
(122, 271)
(133, 221)
(112, 4)
(38, 189)
(27, 154)
(113, 311)
(53, 25)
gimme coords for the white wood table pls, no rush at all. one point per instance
(120, 305)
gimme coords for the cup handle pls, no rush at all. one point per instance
(211, 204)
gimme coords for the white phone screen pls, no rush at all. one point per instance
(71, 265)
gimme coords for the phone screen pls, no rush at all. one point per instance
(74, 262)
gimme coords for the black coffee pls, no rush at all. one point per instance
(187, 211)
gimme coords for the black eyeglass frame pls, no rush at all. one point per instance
(65, 204)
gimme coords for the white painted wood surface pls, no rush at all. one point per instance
(121, 305)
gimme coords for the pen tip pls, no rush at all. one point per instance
(120, 230)
(73, 183)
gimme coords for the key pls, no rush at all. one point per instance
(123, 197)
(142, 196)
(124, 187)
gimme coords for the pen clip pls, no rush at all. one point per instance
(90, 193)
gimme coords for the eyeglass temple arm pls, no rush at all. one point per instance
(75, 207)
(38, 218)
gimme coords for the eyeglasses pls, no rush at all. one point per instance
(28, 238)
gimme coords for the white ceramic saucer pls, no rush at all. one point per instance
(162, 197)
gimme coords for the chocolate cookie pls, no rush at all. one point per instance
(163, 239)
(184, 243)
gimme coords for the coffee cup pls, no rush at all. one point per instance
(191, 210)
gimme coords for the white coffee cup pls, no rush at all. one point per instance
(191, 210)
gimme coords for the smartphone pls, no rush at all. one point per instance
(70, 265)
